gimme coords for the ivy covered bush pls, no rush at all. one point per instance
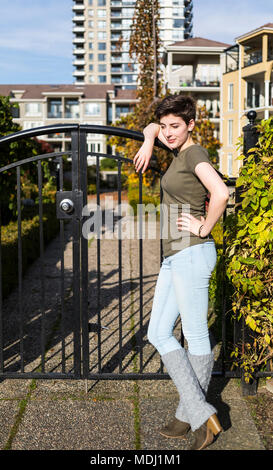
(249, 235)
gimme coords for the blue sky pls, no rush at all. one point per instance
(36, 35)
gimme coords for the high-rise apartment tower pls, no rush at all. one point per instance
(101, 38)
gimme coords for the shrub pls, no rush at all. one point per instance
(249, 249)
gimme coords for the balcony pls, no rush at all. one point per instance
(79, 29)
(78, 40)
(79, 62)
(78, 7)
(55, 108)
(232, 59)
(116, 25)
(196, 83)
(79, 73)
(78, 51)
(253, 57)
(78, 18)
(253, 51)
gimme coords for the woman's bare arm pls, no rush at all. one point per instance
(143, 156)
(219, 196)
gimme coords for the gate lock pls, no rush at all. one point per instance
(69, 204)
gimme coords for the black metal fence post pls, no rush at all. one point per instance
(250, 140)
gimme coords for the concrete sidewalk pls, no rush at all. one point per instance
(116, 415)
(105, 414)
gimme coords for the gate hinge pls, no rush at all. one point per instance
(69, 204)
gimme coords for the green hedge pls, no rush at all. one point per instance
(30, 236)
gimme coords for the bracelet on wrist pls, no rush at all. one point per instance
(199, 232)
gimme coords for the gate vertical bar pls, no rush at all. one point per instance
(97, 219)
(140, 214)
(84, 259)
(43, 346)
(120, 266)
(20, 268)
(1, 299)
(60, 182)
(76, 258)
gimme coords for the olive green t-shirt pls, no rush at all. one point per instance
(182, 189)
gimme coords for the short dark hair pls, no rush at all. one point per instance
(179, 105)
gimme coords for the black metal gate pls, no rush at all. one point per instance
(79, 321)
(65, 339)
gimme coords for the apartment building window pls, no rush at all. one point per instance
(90, 12)
(33, 109)
(101, 3)
(32, 124)
(90, 45)
(54, 108)
(91, 79)
(230, 132)
(101, 13)
(72, 109)
(229, 164)
(93, 147)
(102, 46)
(91, 24)
(230, 96)
(178, 23)
(178, 12)
(102, 35)
(91, 35)
(102, 78)
(178, 34)
(90, 3)
(101, 57)
(253, 94)
(102, 24)
(92, 109)
(102, 67)
(91, 56)
(91, 67)
(128, 12)
(15, 111)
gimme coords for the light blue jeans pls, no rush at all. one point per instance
(183, 288)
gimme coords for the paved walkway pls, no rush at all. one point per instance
(105, 414)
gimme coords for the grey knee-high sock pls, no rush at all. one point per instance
(191, 395)
(202, 366)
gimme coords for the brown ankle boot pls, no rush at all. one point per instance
(175, 428)
(204, 436)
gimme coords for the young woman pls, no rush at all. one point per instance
(189, 257)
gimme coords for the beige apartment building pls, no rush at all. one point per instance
(247, 84)
(193, 67)
(101, 34)
(44, 105)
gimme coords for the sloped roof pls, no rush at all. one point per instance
(200, 42)
(37, 91)
(264, 26)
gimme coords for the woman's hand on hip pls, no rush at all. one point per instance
(189, 223)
